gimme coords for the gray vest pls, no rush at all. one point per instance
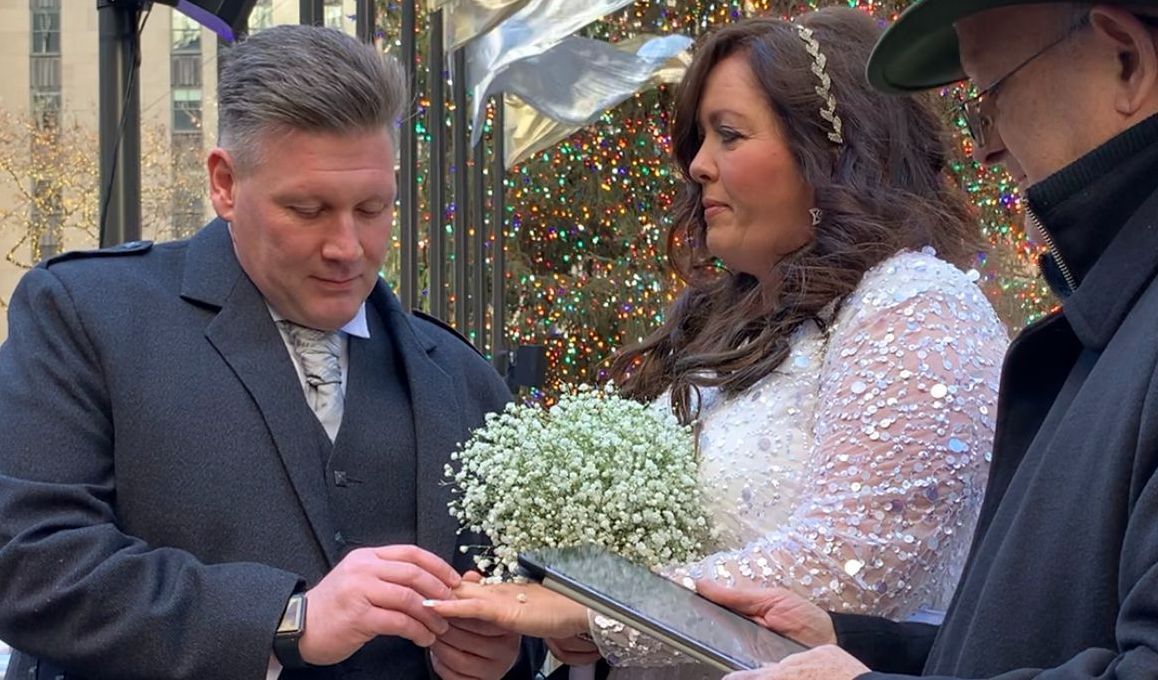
(370, 482)
(370, 469)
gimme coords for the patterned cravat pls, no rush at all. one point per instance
(318, 352)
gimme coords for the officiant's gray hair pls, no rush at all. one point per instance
(306, 78)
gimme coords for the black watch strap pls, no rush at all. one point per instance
(289, 633)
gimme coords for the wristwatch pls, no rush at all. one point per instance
(289, 633)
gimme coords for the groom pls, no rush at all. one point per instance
(1062, 580)
(222, 457)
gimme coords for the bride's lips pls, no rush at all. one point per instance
(713, 208)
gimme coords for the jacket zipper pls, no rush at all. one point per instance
(1053, 251)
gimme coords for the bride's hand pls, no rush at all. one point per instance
(526, 608)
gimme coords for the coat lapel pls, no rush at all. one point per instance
(244, 334)
(438, 425)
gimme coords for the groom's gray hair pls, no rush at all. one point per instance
(307, 78)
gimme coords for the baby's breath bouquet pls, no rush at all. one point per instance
(593, 468)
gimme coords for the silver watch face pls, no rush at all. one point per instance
(294, 618)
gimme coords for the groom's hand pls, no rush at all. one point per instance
(473, 650)
(372, 592)
(574, 651)
(777, 609)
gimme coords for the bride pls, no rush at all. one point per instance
(841, 371)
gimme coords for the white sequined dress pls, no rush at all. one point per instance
(853, 474)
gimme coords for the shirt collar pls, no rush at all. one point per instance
(1100, 214)
(1082, 207)
(357, 327)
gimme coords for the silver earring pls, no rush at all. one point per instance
(817, 215)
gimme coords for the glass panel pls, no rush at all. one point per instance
(262, 16)
(187, 94)
(332, 14)
(186, 118)
(46, 31)
(186, 110)
(186, 71)
(186, 34)
(45, 75)
(46, 109)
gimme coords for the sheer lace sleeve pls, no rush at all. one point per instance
(895, 475)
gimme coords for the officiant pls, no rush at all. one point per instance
(1062, 580)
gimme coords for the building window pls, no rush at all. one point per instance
(45, 26)
(45, 73)
(186, 141)
(186, 35)
(186, 71)
(262, 16)
(186, 110)
(44, 63)
(46, 109)
(46, 211)
(332, 14)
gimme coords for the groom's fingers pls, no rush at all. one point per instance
(423, 559)
(573, 645)
(574, 651)
(482, 628)
(445, 672)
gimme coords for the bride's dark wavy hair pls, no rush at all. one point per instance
(885, 189)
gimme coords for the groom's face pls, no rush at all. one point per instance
(310, 219)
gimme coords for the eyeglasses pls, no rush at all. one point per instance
(978, 122)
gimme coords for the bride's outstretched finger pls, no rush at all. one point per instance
(461, 609)
(528, 609)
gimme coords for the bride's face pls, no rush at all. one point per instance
(754, 199)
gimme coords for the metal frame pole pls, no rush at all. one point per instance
(365, 20)
(120, 121)
(310, 13)
(461, 140)
(408, 174)
(436, 253)
(499, 358)
(479, 241)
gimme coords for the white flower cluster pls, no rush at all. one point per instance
(594, 468)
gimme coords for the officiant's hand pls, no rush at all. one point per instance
(777, 609)
(822, 663)
(526, 608)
